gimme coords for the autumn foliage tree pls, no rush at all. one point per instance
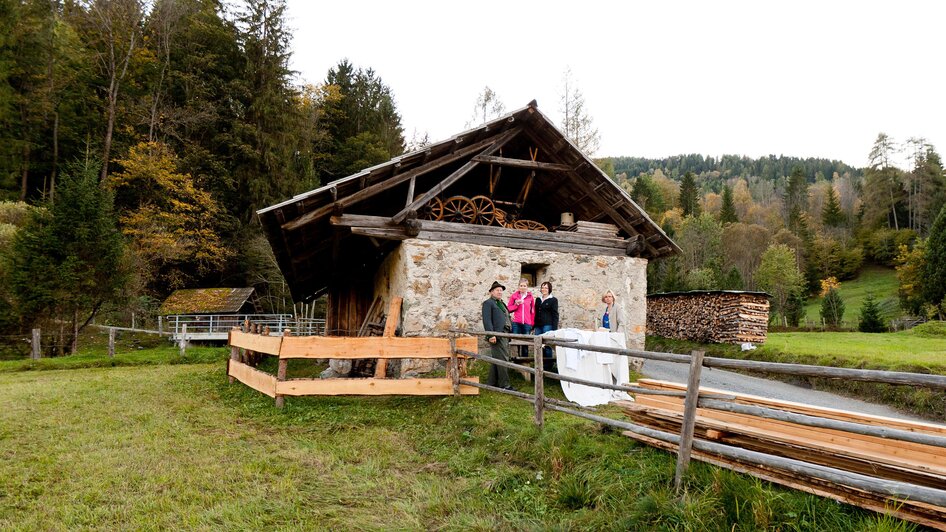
(170, 221)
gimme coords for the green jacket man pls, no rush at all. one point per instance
(496, 319)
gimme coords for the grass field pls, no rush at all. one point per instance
(174, 446)
(880, 281)
(897, 350)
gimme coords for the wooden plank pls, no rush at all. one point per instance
(522, 163)
(521, 243)
(455, 176)
(489, 230)
(371, 347)
(689, 417)
(255, 342)
(252, 377)
(801, 408)
(437, 386)
(390, 327)
(384, 185)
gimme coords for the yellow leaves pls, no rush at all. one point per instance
(831, 283)
(169, 219)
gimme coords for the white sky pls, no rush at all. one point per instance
(808, 79)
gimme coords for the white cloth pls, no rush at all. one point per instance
(605, 368)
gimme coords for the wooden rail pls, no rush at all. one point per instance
(907, 497)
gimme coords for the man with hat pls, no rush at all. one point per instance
(496, 319)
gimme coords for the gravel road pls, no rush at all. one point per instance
(735, 382)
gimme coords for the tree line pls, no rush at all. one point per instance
(742, 224)
(137, 140)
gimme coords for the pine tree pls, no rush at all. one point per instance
(831, 213)
(871, 321)
(934, 278)
(689, 196)
(796, 200)
(727, 213)
(577, 123)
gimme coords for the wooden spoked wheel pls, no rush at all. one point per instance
(485, 210)
(459, 209)
(529, 225)
(499, 216)
(433, 210)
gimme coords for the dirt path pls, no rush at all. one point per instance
(735, 382)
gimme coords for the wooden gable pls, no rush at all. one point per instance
(521, 163)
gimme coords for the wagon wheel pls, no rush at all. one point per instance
(499, 216)
(433, 210)
(485, 210)
(459, 209)
(529, 225)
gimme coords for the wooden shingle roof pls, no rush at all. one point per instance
(206, 301)
(310, 248)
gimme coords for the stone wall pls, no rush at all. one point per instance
(445, 283)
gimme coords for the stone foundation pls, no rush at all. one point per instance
(445, 283)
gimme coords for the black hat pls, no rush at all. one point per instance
(495, 284)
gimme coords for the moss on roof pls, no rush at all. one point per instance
(205, 300)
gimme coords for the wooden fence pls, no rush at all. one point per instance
(251, 342)
(925, 504)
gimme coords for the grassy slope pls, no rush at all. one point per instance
(899, 350)
(174, 446)
(880, 281)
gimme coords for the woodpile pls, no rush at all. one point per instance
(709, 316)
(879, 457)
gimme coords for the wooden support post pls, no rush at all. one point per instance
(111, 342)
(390, 328)
(37, 349)
(539, 382)
(281, 369)
(234, 352)
(183, 340)
(454, 366)
(689, 418)
(160, 325)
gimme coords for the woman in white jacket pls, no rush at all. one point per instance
(611, 318)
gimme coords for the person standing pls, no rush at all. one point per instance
(522, 305)
(612, 319)
(496, 319)
(546, 314)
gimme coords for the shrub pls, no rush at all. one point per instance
(930, 329)
(832, 308)
(871, 320)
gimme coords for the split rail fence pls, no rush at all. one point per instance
(881, 441)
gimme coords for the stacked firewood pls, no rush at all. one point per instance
(717, 316)
(882, 458)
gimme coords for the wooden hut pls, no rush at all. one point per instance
(508, 199)
(718, 316)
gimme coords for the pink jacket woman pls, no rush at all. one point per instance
(523, 313)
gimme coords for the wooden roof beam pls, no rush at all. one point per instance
(384, 185)
(522, 163)
(455, 176)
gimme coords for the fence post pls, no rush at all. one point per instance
(111, 342)
(539, 382)
(454, 365)
(689, 417)
(35, 355)
(160, 324)
(183, 340)
(281, 369)
(234, 352)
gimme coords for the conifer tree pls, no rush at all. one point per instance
(934, 279)
(796, 201)
(727, 214)
(689, 196)
(871, 321)
(831, 213)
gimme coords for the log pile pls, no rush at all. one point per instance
(709, 316)
(878, 457)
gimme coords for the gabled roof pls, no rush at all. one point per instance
(309, 249)
(205, 301)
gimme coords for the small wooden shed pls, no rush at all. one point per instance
(718, 316)
(209, 301)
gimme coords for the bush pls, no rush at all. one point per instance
(832, 308)
(871, 320)
(930, 329)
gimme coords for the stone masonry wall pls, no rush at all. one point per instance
(445, 283)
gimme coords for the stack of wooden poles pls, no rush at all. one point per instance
(887, 458)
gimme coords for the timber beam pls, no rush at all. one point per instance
(522, 163)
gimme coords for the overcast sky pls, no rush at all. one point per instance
(808, 79)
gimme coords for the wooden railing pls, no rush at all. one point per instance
(694, 398)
